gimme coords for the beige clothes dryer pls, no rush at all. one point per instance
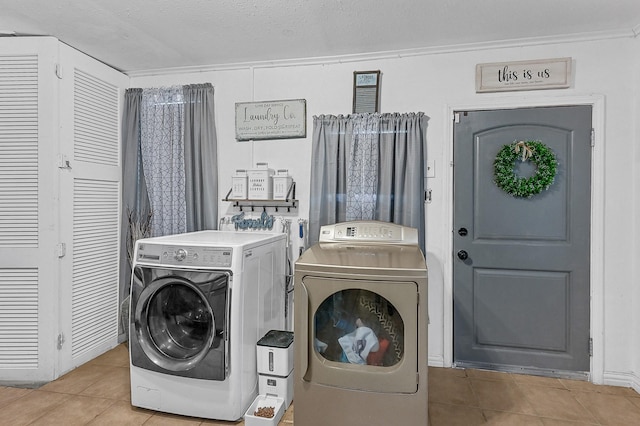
(361, 327)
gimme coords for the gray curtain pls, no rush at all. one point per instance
(200, 167)
(200, 157)
(135, 200)
(327, 202)
(339, 152)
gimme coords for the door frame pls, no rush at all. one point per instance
(597, 102)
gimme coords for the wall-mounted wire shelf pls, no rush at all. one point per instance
(288, 203)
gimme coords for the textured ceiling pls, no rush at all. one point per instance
(139, 35)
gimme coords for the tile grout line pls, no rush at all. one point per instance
(49, 409)
(564, 388)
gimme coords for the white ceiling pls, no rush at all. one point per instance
(142, 35)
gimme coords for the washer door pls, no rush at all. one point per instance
(174, 323)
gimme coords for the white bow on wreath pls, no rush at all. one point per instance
(522, 146)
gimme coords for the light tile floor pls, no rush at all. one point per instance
(98, 393)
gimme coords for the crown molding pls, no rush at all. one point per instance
(403, 53)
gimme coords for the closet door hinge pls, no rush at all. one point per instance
(590, 346)
(593, 137)
(63, 162)
(61, 250)
(456, 117)
(60, 341)
(59, 71)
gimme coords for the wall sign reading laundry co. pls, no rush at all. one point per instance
(271, 119)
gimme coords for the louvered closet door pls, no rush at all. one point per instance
(90, 97)
(28, 263)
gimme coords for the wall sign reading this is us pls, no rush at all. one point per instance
(271, 119)
(523, 75)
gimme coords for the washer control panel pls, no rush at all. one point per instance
(194, 256)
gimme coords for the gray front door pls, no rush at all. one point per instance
(521, 265)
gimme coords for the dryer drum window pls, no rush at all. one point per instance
(361, 327)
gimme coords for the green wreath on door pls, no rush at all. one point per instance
(538, 153)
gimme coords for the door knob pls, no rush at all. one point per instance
(463, 255)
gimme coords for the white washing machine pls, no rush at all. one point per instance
(200, 301)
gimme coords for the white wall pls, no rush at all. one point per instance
(635, 325)
(435, 82)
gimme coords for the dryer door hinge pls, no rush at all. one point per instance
(60, 341)
(61, 250)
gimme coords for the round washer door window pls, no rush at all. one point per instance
(177, 325)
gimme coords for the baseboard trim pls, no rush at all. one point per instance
(626, 380)
(435, 361)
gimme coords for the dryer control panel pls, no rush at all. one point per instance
(369, 231)
(192, 256)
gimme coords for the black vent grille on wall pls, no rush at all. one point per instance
(366, 91)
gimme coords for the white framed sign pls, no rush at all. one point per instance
(271, 119)
(523, 75)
